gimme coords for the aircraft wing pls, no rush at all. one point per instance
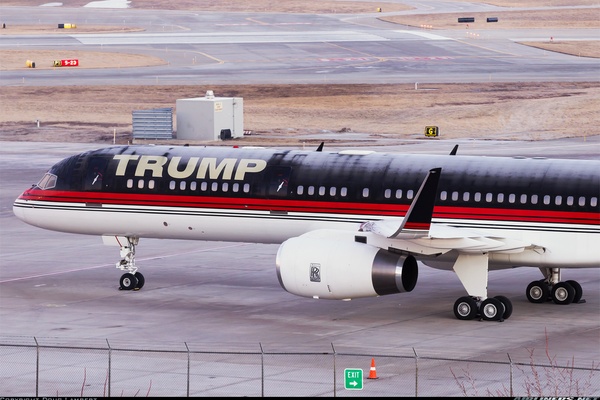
(416, 233)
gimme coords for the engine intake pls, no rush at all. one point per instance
(336, 269)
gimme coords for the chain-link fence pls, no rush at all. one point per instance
(47, 368)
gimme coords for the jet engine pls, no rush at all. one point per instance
(327, 268)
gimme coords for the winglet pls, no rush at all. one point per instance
(418, 217)
(454, 150)
(320, 148)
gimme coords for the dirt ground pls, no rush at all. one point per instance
(287, 114)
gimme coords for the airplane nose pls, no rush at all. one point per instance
(18, 208)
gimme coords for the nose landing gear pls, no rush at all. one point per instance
(132, 279)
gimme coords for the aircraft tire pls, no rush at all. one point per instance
(537, 292)
(578, 291)
(140, 280)
(563, 293)
(508, 308)
(492, 309)
(465, 308)
(128, 281)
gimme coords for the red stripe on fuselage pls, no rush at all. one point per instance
(311, 206)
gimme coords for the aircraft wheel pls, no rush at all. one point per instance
(508, 308)
(578, 291)
(563, 293)
(537, 292)
(140, 280)
(465, 308)
(492, 309)
(128, 281)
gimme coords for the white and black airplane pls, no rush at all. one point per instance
(351, 223)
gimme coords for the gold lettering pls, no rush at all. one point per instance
(209, 165)
(123, 161)
(208, 168)
(249, 166)
(151, 163)
(174, 172)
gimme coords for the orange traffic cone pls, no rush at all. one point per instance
(372, 371)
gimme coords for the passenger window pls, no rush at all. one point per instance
(321, 190)
(141, 184)
(454, 196)
(344, 192)
(235, 187)
(523, 198)
(151, 184)
(466, 196)
(558, 200)
(512, 198)
(534, 199)
(477, 197)
(570, 200)
(443, 195)
(594, 201)
(193, 186)
(399, 193)
(332, 191)
(387, 193)
(225, 186)
(182, 185)
(546, 199)
(489, 197)
(409, 194)
(500, 198)
(311, 190)
(300, 190)
(365, 192)
(172, 185)
(582, 201)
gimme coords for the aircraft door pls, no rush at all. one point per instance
(278, 181)
(95, 173)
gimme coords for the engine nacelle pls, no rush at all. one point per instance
(335, 269)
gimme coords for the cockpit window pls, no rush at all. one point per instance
(48, 181)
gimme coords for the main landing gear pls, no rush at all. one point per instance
(132, 279)
(500, 308)
(551, 288)
(496, 308)
(472, 270)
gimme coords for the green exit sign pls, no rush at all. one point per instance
(353, 379)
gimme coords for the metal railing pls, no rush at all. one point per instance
(48, 367)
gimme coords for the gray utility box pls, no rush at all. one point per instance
(210, 118)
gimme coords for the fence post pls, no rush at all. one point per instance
(188, 369)
(416, 373)
(37, 367)
(334, 373)
(511, 374)
(262, 371)
(109, 364)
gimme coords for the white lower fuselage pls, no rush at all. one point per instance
(561, 246)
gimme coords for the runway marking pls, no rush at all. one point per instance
(112, 265)
(430, 58)
(426, 35)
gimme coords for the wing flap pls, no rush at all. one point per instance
(443, 238)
